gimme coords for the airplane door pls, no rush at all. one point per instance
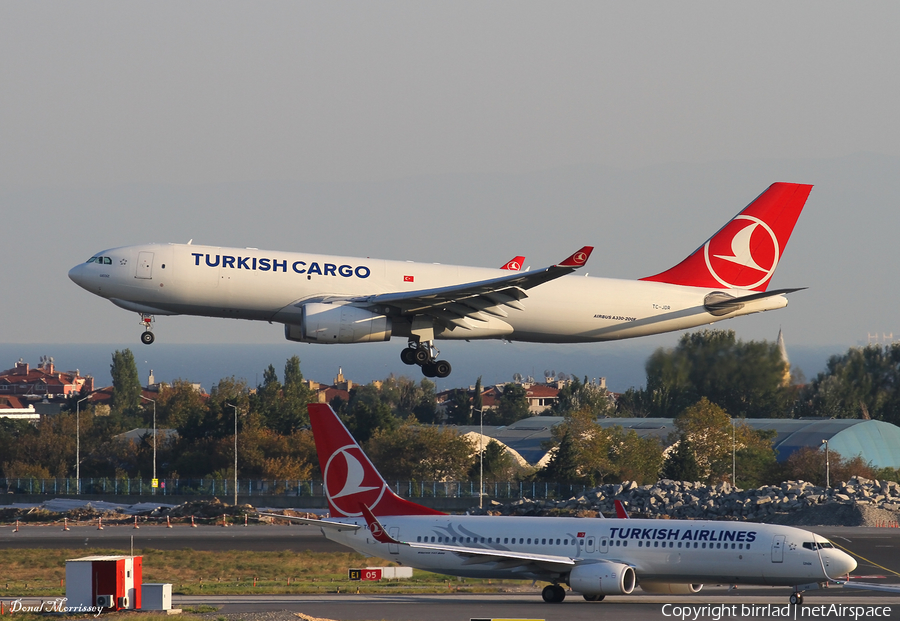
(778, 549)
(144, 268)
(589, 544)
(604, 544)
(393, 548)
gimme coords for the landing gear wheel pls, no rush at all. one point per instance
(594, 598)
(797, 599)
(422, 356)
(429, 370)
(408, 356)
(147, 338)
(441, 368)
(553, 594)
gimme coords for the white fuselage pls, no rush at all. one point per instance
(273, 285)
(670, 551)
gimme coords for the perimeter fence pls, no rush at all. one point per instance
(254, 487)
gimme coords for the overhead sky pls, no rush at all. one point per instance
(455, 132)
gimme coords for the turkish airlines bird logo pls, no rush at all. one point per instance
(744, 254)
(349, 483)
(514, 266)
(579, 258)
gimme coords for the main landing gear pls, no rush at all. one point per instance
(553, 594)
(147, 337)
(424, 354)
(797, 598)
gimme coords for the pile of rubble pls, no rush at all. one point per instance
(686, 500)
(112, 513)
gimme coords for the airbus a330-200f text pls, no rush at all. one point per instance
(594, 557)
(333, 299)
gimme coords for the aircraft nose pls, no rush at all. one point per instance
(843, 562)
(76, 275)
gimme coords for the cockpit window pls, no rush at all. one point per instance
(101, 260)
(107, 261)
(812, 545)
(94, 259)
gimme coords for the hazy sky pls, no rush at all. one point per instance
(446, 131)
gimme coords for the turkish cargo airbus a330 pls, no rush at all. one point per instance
(330, 299)
(594, 557)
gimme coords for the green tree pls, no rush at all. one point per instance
(565, 464)
(680, 464)
(499, 465)
(511, 406)
(578, 395)
(369, 410)
(126, 396)
(477, 401)
(634, 458)
(708, 429)
(459, 409)
(862, 383)
(745, 378)
(414, 452)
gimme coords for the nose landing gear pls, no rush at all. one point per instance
(147, 337)
(424, 354)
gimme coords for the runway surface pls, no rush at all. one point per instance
(877, 551)
(713, 604)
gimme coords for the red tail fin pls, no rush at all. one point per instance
(514, 264)
(744, 253)
(621, 513)
(350, 478)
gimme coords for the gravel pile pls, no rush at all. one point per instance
(865, 501)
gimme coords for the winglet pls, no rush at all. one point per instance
(577, 259)
(378, 533)
(621, 513)
(514, 264)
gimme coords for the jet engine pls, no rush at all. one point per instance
(338, 323)
(602, 579)
(669, 588)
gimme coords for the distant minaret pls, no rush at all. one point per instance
(151, 380)
(787, 363)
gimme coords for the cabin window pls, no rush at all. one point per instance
(618, 542)
(543, 542)
(522, 540)
(655, 544)
(679, 544)
(718, 546)
(704, 545)
(529, 541)
(432, 540)
(640, 543)
(557, 542)
(625, 544)
(505, 540)
(581, 542)
(732, 546)
(482, 540)
(419, 539)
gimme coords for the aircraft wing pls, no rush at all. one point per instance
(472, 300)
(868, 586)
(312, 522)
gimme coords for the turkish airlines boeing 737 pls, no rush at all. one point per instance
(594, 557)
(329, 299)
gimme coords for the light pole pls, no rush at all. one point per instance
(827, 465)
(733, 460)
(481, 455)
(235, 452)
(78, 444)
(154, 437)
